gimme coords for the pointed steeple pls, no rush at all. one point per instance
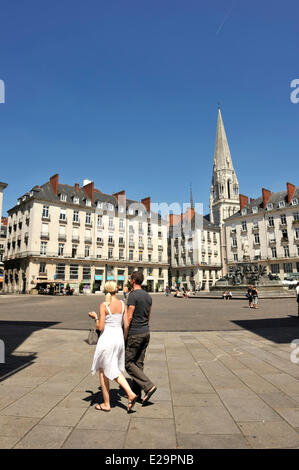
(222, 156)
(224, 197)
(191, 198)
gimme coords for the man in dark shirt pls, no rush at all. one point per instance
(138, 335)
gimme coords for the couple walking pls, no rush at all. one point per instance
(123, 342)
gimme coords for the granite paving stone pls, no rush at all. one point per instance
(204, 420)
(291, 415)
(159, 434)
(216, 441)
(270, 435)
(88, 439)
(15, 426)
(44, 437)
(61, 416)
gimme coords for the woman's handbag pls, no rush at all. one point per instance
(93, 336)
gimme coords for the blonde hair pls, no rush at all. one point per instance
(110, 289)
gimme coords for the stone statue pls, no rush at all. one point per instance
(245, 248)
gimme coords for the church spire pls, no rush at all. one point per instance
(224, 198)
(191, 197)
(222, 156)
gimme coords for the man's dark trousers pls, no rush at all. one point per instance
(135, 352)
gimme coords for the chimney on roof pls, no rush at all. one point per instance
(291, 191)
(266, 196)
(243, 201)
(77, 186)
(147, 203)
(54, 183)
(120, 193)
(89, 190)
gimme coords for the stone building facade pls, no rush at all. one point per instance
(265, 231)
(78, 236)
(194, 247)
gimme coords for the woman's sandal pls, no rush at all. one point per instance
(131, 403)
(99, 408)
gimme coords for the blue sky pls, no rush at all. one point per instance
(125, 93)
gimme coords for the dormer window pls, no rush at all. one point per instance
(255, 210)
(76, 200)
(269, 206)
(110, 207)
(88, 202)
(244, 211)
(294, 202)
(281, 204)
(63, 197)
(100, 205)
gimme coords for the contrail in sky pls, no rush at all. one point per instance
(224, 19)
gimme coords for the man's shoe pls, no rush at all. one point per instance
(149, 394)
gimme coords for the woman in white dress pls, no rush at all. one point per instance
(109, 356)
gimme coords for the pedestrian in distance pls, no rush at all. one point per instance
(254, 297)
(125, 292)
(138, 313)
(167, 291)
(297, 295)
(109, 356)
(250, 296)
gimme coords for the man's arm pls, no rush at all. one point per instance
(129, 314)
(128, 319)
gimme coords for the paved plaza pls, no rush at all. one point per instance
(224, 375)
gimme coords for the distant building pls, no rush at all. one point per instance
(265, 231)
(2, 234)
(78, 236)
(195, 257)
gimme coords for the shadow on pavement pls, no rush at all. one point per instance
(97, 397)
(13, 334)
(278, 330)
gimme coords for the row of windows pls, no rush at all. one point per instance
(283, 221)
(86, 271)
(286, 253)
(270, 206)
(87, 251)
(101, 206)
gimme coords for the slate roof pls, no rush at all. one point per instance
(275, 199)
(46, 193)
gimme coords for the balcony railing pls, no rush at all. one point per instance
(62, 221)
(75, 238)
(43, 274)
(88, 240)
(62, 237)
(43, 235)
(46, 218)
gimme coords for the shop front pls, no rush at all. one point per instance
(120, 278)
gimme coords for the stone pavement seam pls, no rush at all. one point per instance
(282, 419)
(172, 405)
(241, 433)
(38, 423)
